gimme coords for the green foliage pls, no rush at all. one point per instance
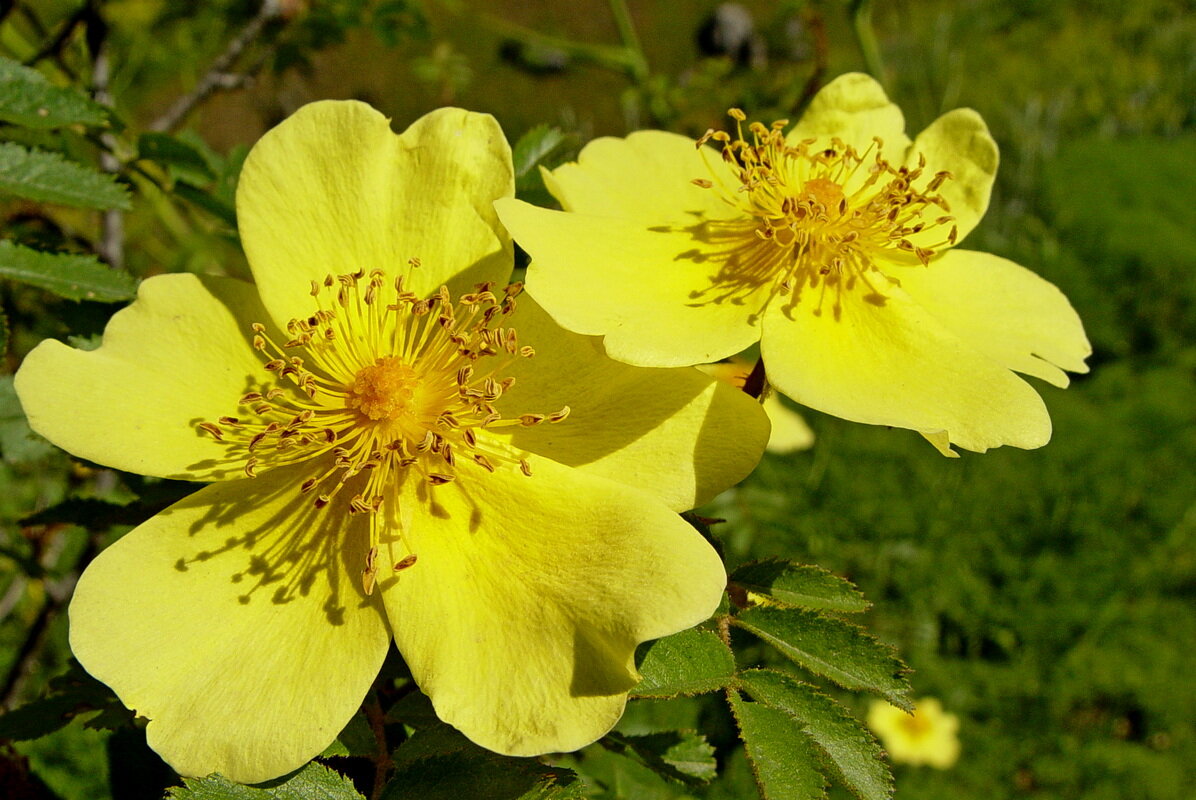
(50, 178)
(438, 763)
(832, 648)
(844, 744)
(781, 757)
(801, 585)
(690, 662)
(540, 148)
(312, 782)
(27, 98)
(75, 277)
(71, 695)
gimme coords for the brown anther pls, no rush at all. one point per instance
(702, 182)
(321, 501)
(251, 467)
(525, 467)
(307, 486)
(406, 562)
(212, 429)
(438, 478)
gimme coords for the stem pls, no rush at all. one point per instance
(637, 64)
(865, 35)
(217, 76)
(112, 235)
(382, 762)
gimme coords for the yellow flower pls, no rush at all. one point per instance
(789, 431)
(395, 451)
(831, 245)
(928, 736)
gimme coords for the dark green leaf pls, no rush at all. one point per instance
(70, 695)
(69, 275)
(90, 513)
(799, 585)
(27, 98)
(533, 147)
(785, 766)
(170, 151)
(845, 745)
(357, 739)
(683, 756)
(440, 764)
(832, 648)
(312, 782)
(690, 662)
(208, 202)
(3, 336)
(50, 178)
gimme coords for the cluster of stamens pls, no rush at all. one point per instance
(828, 209)
(378, 386)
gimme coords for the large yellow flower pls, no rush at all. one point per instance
(395, 451)
(831, 245)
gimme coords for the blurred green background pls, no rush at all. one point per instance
(1046, 597)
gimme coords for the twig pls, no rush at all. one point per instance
(865, 36)
(54, 46)
(382, 762)
(637, 63)
(112, 223)
(217, 76)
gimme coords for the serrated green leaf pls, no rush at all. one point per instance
(27, 98)
(785, 765)
(830, 647)
(440, 764)
(70, 695)
(170, 151)
(532, 149)
(683, 756)
(689, 662)
(50, 178)
(800, 585)
(845, 744)
(69, 275)
(312, 782)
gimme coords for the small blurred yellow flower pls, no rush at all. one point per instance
(789, 431)
(928, 736)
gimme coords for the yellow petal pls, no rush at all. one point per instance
(333, 190)
(521, 615)
(648, 291)
(673, 432)
(235, 622)
(882, 359)
(1003, 310)
(647, 177)
(958, 142)
(854, 108)
(789, 431)
(179, 354)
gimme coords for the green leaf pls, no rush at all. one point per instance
(357, 739)
(785, 766)
(69, 275)
(187, 161)
(533, 148)
(3, 335)
(90, 513)
(830, 647)
(845, 745)
(440, 764)
(50, 178)
(689, 662)
(208, 202)
(18, 443)
(799, 585)
(27, 98)
(312, 782)
(683, 756)
(70, 695)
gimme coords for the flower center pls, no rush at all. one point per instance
(384, 389)
(829, 211)
(379, 386)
